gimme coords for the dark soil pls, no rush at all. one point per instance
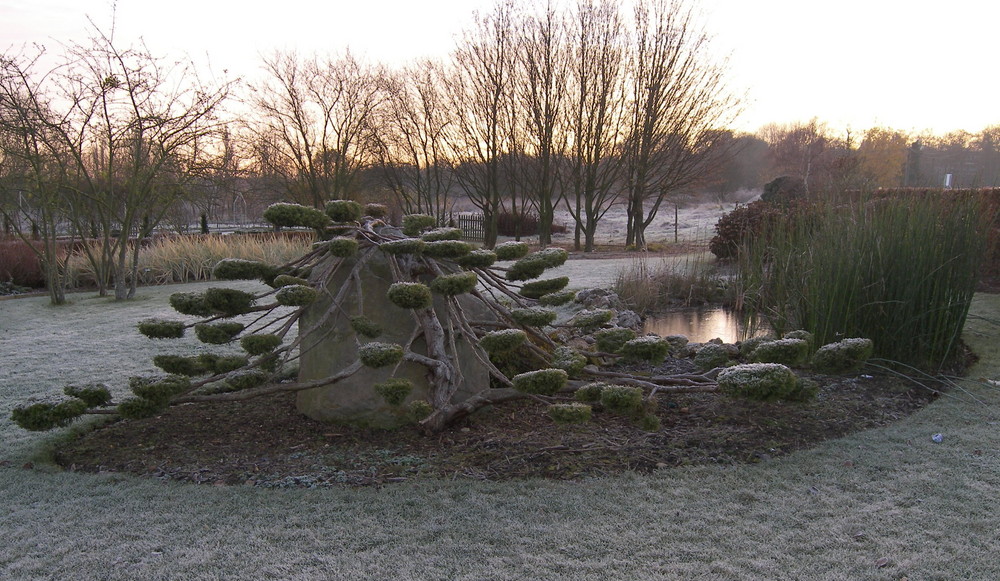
(265, 442)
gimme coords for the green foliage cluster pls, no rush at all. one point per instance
(447, 249)
(590, 392)
(805, 336)
(190, 304)
(477, 259)
(294, 215)
(344, 210)
(42, 416)
(287, 279)
(414, 224)
(748, 345)
(162, 329)
(296, 295)
(622, 399)
(570, 413)
(534, 264)
(218, 333)
(137, 408)
(710, 356)
(845, 356)
(438, 234)
(611, 340)
(260, 344)
(454, 284)
(592, 318)
(419, 409)
(342, 247)
(758, 381)
(503, 340)
(159, 390)
(569, 360)
(533, 316)
(240, 269)
(228, 302)
(365, 327)
(541, 381)
(511, 250)
(403, 246)
(93, 394)
(676, 342)
(198, 364)
(376, 210)
(554, 299)
(791, 352)
(377, 354)
(648, 348)
(394, 390)
(540, 289)
(410, 295)
(247, 379)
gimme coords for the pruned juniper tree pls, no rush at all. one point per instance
(399, 325)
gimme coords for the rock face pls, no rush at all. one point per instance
(331, 344)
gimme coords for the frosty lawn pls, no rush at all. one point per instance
(882, 504)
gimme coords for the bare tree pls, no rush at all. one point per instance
(543, 56)
(479, 86)
(413, 151)
(315, 121)
(34, 174)
(679, 107)
(126, 131)
(596, 116)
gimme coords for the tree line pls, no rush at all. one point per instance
(540, 106)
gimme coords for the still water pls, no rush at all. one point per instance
(698, 325)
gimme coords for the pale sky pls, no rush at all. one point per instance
(907, 64)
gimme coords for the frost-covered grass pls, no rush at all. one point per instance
(884, 504)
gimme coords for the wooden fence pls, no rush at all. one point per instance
(473, 225)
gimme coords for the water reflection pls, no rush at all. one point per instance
(698, 325)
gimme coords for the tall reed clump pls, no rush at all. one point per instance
(170, 259)
(891, 270)
(648, 288)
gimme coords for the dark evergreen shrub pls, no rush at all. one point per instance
(533, 316)
(260, 344)
(454, 284)
(365, 327)
(376, 354)
(193, 304)
(511, 250)
(447, 249)
(296, 295)
(410, 295)
(570, 413)
(394, 390)
(611, 340)
(438, 234)
(541, 288)
(161, 329)
(93, 394)
(342, 247)
(541, 381)
(228, 302)
(344, 210)
(218, 333)
(414, 224)
(239, 269)
(477, 259)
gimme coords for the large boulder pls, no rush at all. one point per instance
(334, 346)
